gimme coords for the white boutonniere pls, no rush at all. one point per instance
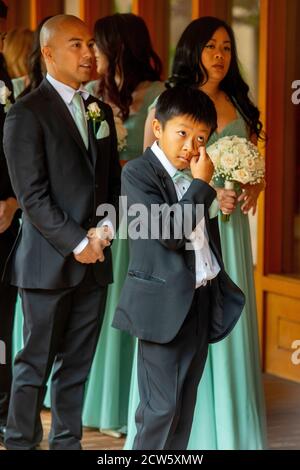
(121, 133)
(4, 96)
(95, 114)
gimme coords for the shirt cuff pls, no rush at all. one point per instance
(79, 248)
(214, 209)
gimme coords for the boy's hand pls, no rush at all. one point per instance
(202, 167)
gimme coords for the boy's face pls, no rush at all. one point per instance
(180, 139)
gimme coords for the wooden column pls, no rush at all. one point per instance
(262, 104)
(156, 15)
(40, 9)
(275, 128)
(92, 10)
(219, 8)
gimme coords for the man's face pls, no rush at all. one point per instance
(101, 61)
(216, 55)
(180, 139)
(69, 55)
(3, 29)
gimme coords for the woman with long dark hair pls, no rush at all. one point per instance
(36, 69)
(129, 80)
(230, 411)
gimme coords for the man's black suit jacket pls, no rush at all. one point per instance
(160, 283)
(8, 237)
(59, 185)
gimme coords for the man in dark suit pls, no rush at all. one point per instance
(61, 169)
(177, 297)
(9, 226)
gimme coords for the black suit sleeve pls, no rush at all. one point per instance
(144, 189)
(25, 154)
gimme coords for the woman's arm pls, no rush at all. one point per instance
(251, 191)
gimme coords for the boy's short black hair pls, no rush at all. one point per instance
(180, 100)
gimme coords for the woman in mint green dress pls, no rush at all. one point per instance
(129, 81)
(230, 410)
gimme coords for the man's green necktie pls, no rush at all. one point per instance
(186, 174)
(80, 118)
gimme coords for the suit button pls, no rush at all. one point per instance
(96, 186)
(89, 220)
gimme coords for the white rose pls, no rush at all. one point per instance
(94, 108)
(4, 93)
(241, 150)
(239, 140)
(250, 163)
(214, 155)
(242, 176)
(229, 161)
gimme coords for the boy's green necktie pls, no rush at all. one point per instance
(186, 174)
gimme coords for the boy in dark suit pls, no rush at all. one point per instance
(177, 297)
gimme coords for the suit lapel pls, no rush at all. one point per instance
(163, 175)
(169, 189)
(92, 137)
(92, 142)
(60, 108)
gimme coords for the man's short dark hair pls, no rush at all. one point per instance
(3, 9)
(189, 101)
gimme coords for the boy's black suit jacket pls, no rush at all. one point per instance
(160, 283)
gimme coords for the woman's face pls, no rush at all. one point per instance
(101, 61)
(216, 55)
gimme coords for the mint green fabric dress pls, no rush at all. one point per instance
(230, 409)
(107, 389)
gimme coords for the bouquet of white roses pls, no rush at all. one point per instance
(236, 160)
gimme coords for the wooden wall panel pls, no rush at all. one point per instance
(283, 328)
(43, 8)
(91, 10)
(218, 8)
(156, 15)
(19, 13)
